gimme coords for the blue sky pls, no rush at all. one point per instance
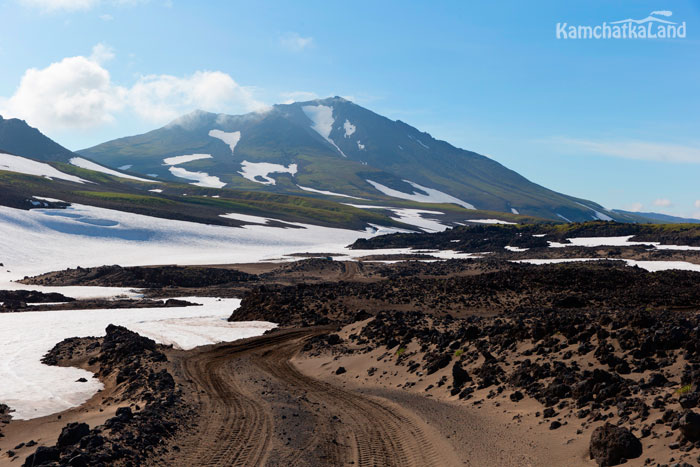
(615, 121)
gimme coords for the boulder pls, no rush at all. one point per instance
(611, 444)
(42, 455)
(690, 425)
(72, 434)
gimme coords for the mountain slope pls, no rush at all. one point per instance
(57, 173)
(335, 146)
(17, 137)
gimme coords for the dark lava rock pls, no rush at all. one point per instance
(689, 401)
(690, 425)
(124, 414)
(72, 434)
(436, 362)
(42, 455)
(340, 370)
(460, 376)
(611, 444)
(554, 425)
(657, 379)
(334, 339)
(516, 396)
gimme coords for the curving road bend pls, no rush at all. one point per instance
(256, 408)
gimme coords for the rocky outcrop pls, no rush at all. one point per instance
(140, 370)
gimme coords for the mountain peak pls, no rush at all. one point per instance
(192, 119)
(18, 137)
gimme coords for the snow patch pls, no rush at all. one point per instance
(600, 216)
(567, 220)
(322, 120)
(515, 248)
(231, 139)
(491, 221)
(413, 217)
(349, 128)
(202, 178)
(618, 241)
(409, 216)
(419, 142)
(432, 196)
(23, 165)
(41, 240)
(360, 146)
(35, 390)
(252, 170)
(514, 211)
(329, 193)
(156, 190)
(125, 167)
(50, 200)
(247, 218)
(175, 160)
(86, 164)
(651, 266)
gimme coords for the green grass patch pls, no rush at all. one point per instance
(130, 198)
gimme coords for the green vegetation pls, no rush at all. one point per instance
(401, 351)
(684, 390)
(127, 198)
(458, 353)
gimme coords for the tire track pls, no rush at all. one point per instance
(236, 427)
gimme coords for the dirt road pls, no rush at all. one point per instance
(256, 408)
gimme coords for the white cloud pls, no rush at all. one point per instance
(662, 202)
(641, 150)
(49, 6)
(106, 17)
(635, 207)
(73, 93)
(697, 204)
(161, 98)
(102, 53)
(297, 96)
(56, 5)
(77, 92)
(294, 42)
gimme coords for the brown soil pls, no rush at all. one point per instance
(270, 413)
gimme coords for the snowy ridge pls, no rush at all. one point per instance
(89, 165)
(23, 165)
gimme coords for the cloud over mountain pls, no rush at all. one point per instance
(78, 92)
